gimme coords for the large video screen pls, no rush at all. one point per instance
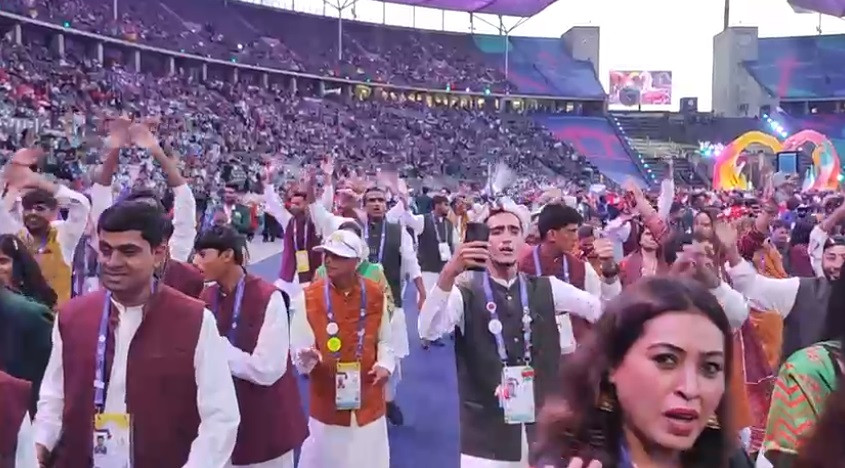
(633, 88)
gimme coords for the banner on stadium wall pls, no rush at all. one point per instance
(632, 88)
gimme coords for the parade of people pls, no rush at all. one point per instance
(250, 234)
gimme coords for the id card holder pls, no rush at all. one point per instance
(445, 251)
(302, 265)
(348, 386)
(566, 333)
(518, 394)
(112, 440)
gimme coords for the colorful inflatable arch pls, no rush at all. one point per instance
(826, 165)
(727, 172)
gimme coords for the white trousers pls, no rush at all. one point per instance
(285, 461)
(355, 446)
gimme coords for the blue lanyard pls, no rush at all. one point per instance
(380, 254)
(495, 325)
(236, 307)
(304, 238)
(334, 330)
(539, 270)
(625, 457)
(100, 370)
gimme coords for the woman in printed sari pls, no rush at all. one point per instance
(803, 386)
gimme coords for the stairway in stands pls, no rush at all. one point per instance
(648, 135)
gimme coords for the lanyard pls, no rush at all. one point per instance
(333, 329)
(100, 370)
(304, 237)
(236, 307)
(625, 457)
(495, 325)
(539, 271)
(436, 232)
(81, 275)
(380, 253)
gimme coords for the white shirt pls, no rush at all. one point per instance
(268, 362)
(764, 293)
(25, 454)
(733, 303)
(216, 399)
(444, 310)
(68, 231)
(184, 217)
(417, 223)
(816, 249)
(274, 205)
(594, 285)
(328, 223)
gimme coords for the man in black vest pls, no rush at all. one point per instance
(503, 378)
(437, 241)
(392, 247)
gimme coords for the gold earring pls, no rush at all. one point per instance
(607, 403)
(713, 422)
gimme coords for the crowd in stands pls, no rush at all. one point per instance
(225, 132)
(281, 40)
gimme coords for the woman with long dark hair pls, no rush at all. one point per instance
(649, 388)
(24, 321)
(20, 272)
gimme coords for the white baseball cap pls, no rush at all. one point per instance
(343, 243)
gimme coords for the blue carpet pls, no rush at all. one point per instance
(428, 395)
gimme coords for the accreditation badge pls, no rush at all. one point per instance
(445, 251)
(302, 264)
(112, 440)
(348, 386)
(517, 394)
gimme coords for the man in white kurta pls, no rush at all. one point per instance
(336, 446)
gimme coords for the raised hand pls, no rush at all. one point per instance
(142, 136)
(327, 166)
(725, 234)
(603, 248)
(469, 255)
(118, 132)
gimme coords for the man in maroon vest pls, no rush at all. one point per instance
(301, 235)
(558, 228)
(252, 319)
(17, 447)
(136, 361)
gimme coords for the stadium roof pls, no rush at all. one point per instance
(523, 8)
(827, 7)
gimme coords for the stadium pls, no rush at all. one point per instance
(439, 91)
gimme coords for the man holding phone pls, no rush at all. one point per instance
(517, 309)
